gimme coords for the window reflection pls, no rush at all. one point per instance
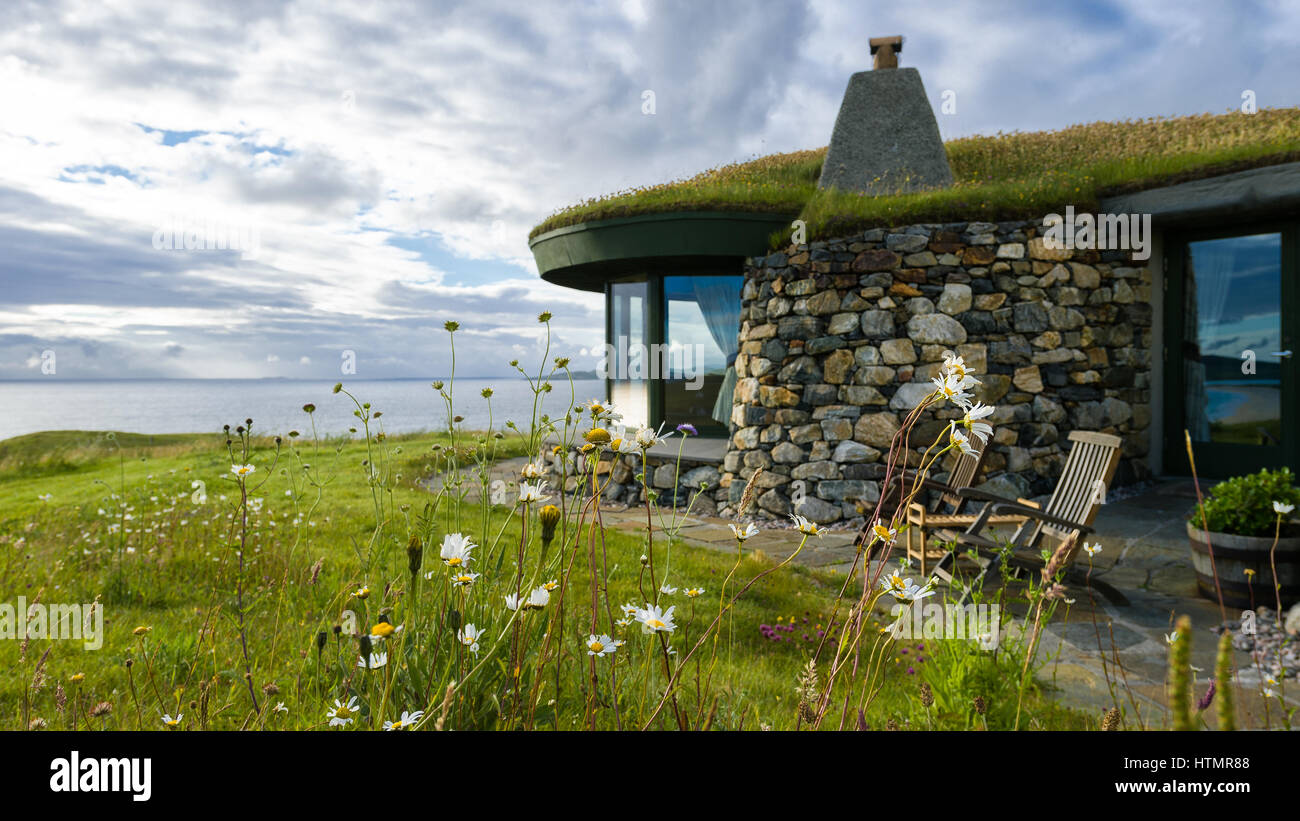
(1232, 321)
(629, 320)
(702, 329)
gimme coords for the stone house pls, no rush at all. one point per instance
(816, 350)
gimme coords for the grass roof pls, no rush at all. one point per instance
(1004, 176)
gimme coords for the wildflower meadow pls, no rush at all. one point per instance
(284, 580)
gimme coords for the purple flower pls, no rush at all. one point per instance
(911, 671)
(1206, 699)
(687, 428)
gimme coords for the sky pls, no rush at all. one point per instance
(374, 169)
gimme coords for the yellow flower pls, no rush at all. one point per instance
(77, 677)
(141, 630)
(383, 629)
(1250, 572)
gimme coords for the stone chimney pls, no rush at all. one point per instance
(886, 139)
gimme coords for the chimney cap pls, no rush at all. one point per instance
(886, 57)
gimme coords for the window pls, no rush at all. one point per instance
(1233, 332)
(671, 343)
(702, 325)
(1232, 320)
(628, 340)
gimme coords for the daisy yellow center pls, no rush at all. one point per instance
(454, 561)
(596, 647)
(882, 532)
(896, 582)
(342, 711)
(654, 623)
(382, 629)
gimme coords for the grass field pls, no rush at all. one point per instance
(153, 530)
(998, 177)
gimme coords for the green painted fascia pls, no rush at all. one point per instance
(590, 253)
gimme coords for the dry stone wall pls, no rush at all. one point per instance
(839, 340)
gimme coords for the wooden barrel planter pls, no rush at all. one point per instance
(1233, 555)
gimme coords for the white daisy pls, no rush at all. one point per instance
(1282, 509)
(904, 590)
(456, 550)
(600, 645)
(950, 388)
(406, 721)
(806, 527)
(887, 535)
(1092, 549)
(537, 599)
(744, 535)
(242, 470)
(974, 413)
(624, 445)
(173, 722)
(648, 437)
(469, 636)
(655, 620)
(342, 713)
(954, 367)
(960, 440)
(533, 492)
(375, 661)
(463, 579)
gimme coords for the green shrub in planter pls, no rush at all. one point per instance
(1243, 505)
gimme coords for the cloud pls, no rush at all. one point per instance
(389, 160)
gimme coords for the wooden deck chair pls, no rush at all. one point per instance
(1088, 470)
(949, 511)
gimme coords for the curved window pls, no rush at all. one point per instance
(671, 346)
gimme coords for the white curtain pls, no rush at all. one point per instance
(1211, 265)
(719, 301)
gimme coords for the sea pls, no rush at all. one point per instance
(274, 405)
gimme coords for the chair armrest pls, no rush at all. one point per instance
(1035, 513)
(981, 496)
